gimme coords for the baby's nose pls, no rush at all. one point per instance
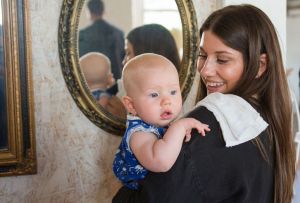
(166, 101)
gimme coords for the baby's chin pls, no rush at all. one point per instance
(164, 123)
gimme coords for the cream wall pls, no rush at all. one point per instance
(74, 156)
(293, 50)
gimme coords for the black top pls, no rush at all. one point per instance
(104, 38)
(207, 171)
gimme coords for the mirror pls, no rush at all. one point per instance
(72, 20)
(17, 141)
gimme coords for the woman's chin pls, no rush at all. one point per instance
(215, 89)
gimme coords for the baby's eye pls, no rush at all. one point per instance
(173, 92)
(153, 95)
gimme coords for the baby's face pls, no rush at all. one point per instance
(157, 97)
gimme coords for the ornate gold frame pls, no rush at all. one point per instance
(19, 156)
(68, 52)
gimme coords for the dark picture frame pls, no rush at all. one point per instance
(17, 137)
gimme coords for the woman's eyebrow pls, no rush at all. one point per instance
(222, 52)
(216, 52)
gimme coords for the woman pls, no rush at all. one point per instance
(239, 54)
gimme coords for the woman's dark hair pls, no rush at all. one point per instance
(248, 30)
(154, 38)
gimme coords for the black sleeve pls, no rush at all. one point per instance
(113, 90)
(179, 183)
(82, 43)
(118, 53)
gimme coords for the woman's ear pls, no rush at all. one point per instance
(110, 80)
(262, 65)
(128, 103)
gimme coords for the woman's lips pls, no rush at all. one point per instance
(214, 86)
(212, 89)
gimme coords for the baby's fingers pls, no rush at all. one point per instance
(205, 127)
(188, 136)
(201, 129)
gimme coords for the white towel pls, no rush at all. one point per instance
(239, 121)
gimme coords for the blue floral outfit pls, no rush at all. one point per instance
(126, 167)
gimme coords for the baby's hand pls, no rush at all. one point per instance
(191, 123)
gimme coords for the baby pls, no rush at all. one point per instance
(96, 69)
(153, 101)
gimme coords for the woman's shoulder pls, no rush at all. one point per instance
(202, 114)
(212, 138)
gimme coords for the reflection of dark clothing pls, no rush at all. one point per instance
(207, 171)
(113, 89)
(106, 39)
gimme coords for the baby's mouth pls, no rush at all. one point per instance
(166, 115)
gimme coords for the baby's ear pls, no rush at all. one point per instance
(128, 103)
(110, 80)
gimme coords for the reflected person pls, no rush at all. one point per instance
(102, 37)
(96, 69)
(151, 38)
(97, 72)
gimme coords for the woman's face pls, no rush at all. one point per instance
(220, 66)
(129, 52)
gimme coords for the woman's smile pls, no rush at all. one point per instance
(214, 86)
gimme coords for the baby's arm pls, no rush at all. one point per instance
(159, 155)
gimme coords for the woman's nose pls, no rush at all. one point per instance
(206, 68)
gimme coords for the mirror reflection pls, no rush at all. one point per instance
(109, 36)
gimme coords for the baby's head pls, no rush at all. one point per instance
(97, 71)
(152, 89)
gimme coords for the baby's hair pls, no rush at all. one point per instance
(95, 72)
(95, 54)
(140, 63)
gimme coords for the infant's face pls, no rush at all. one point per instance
(157, 99)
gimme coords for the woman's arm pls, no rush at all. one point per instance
(159, 155)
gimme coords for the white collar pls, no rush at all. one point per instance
(239, 121)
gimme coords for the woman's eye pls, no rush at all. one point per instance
(173, 92)
(202, 56)
(153, 95)
(222, 61)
